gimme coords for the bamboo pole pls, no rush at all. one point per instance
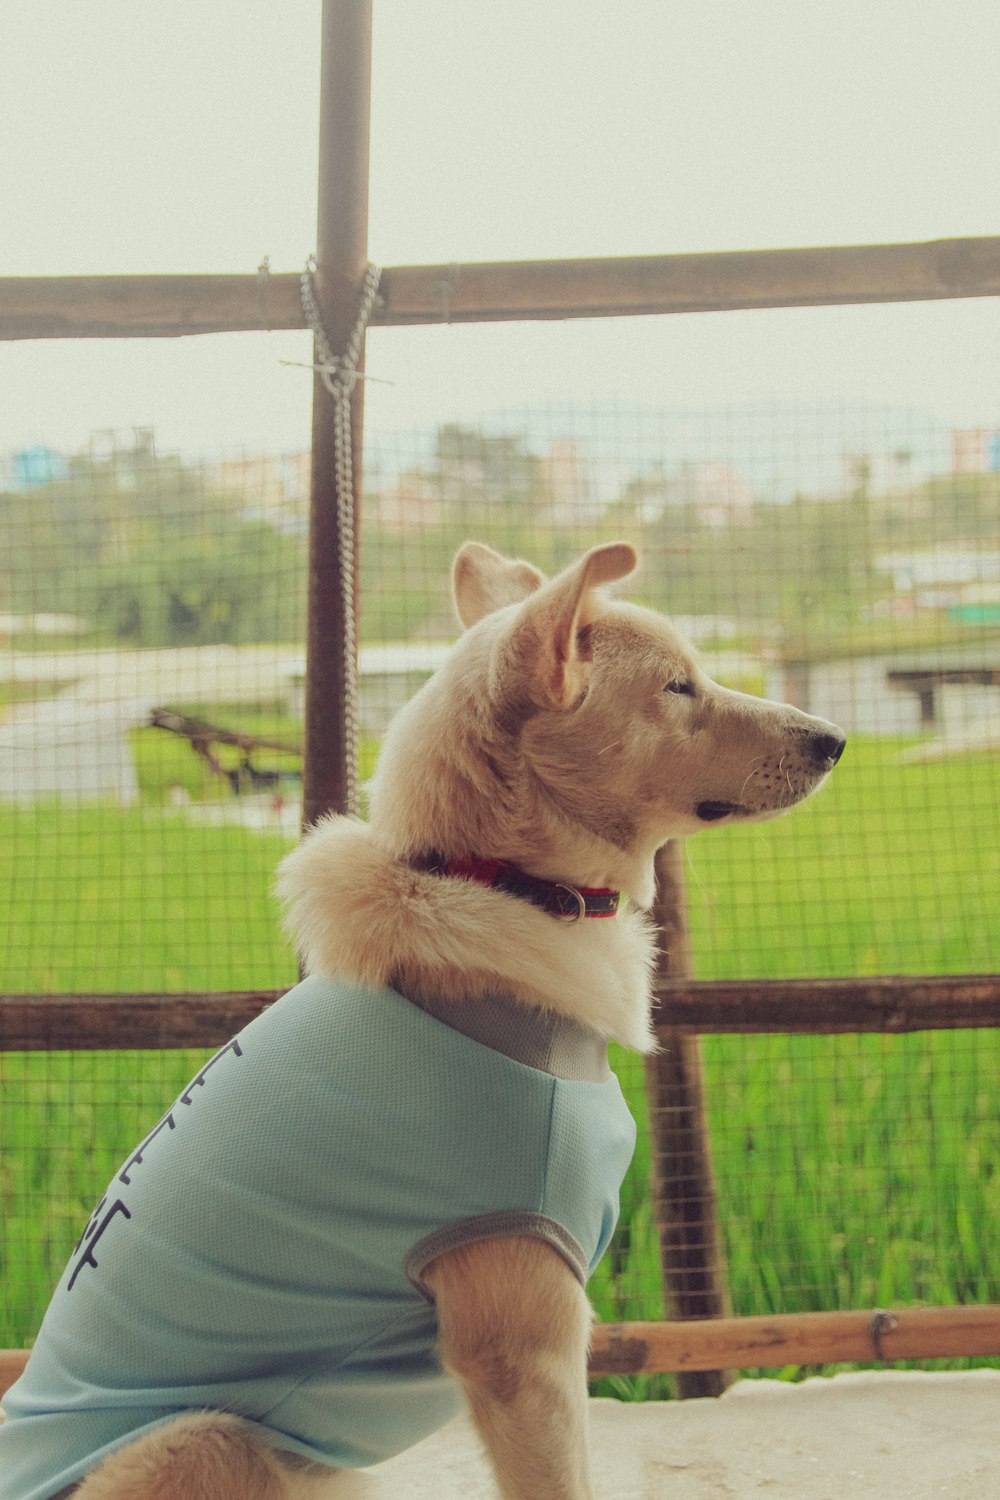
(819, 1338)
(691, 1255)
(46, 307)
(342, 258)
(867, 1337)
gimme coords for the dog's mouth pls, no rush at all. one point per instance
(778, 782)
(711, 812)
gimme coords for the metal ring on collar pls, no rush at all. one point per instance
(581, 905)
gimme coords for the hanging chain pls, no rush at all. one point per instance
(339, 376)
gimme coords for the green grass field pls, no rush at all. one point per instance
(852, 1171)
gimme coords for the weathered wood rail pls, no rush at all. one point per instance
(804, 1007)
(53, 307)
(864, 1337)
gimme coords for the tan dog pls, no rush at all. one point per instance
(569, 736)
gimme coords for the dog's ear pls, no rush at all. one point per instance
(546, 639)
(484, 581)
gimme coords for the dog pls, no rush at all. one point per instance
(388, 1191)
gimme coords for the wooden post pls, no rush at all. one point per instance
(341, 261)
(694, 1278)
(797, 682)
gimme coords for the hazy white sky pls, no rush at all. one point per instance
(137, 137)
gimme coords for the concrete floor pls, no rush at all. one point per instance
(896, 1435)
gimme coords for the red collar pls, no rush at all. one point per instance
(558, 898)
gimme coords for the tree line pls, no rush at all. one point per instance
(149, 552)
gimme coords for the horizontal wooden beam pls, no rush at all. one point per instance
(52, 1023)
(136, 307)
(766, 1343)
(81, 1023)
(892, 1003)
(822, 1338)
(711, 282)
(46, 307)
(12, 1362)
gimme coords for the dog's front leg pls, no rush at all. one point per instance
(515, 1325)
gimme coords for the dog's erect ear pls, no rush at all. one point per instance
(484, 581)
(545, 640)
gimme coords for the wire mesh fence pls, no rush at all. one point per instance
(846, 559)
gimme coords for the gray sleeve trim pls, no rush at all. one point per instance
(511, 1223)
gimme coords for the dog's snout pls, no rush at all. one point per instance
(827, 748)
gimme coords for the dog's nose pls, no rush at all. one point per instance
(828, 748)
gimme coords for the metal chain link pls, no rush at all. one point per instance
(339, 376)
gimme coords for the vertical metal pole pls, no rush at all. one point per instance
(694, 1277)
(341, 259)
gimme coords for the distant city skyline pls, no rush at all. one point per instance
(724, 461)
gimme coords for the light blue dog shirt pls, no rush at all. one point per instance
(261, 1252)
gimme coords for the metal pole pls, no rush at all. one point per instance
(341, 259)
(694, 1277)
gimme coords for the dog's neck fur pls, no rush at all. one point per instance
(357, 910)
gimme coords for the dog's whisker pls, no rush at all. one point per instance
(692, 868)
(750, 776)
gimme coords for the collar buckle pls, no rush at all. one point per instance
(576, 912)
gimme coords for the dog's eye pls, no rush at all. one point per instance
(680, 685)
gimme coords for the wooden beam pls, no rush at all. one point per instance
(761, 1343)
(819, 1338)
(804, 1007)
(713, 282)
(12, 1362)
(136, 307)
(46, 307)
(107, 1023)
(893, 1003)
(200, 731)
